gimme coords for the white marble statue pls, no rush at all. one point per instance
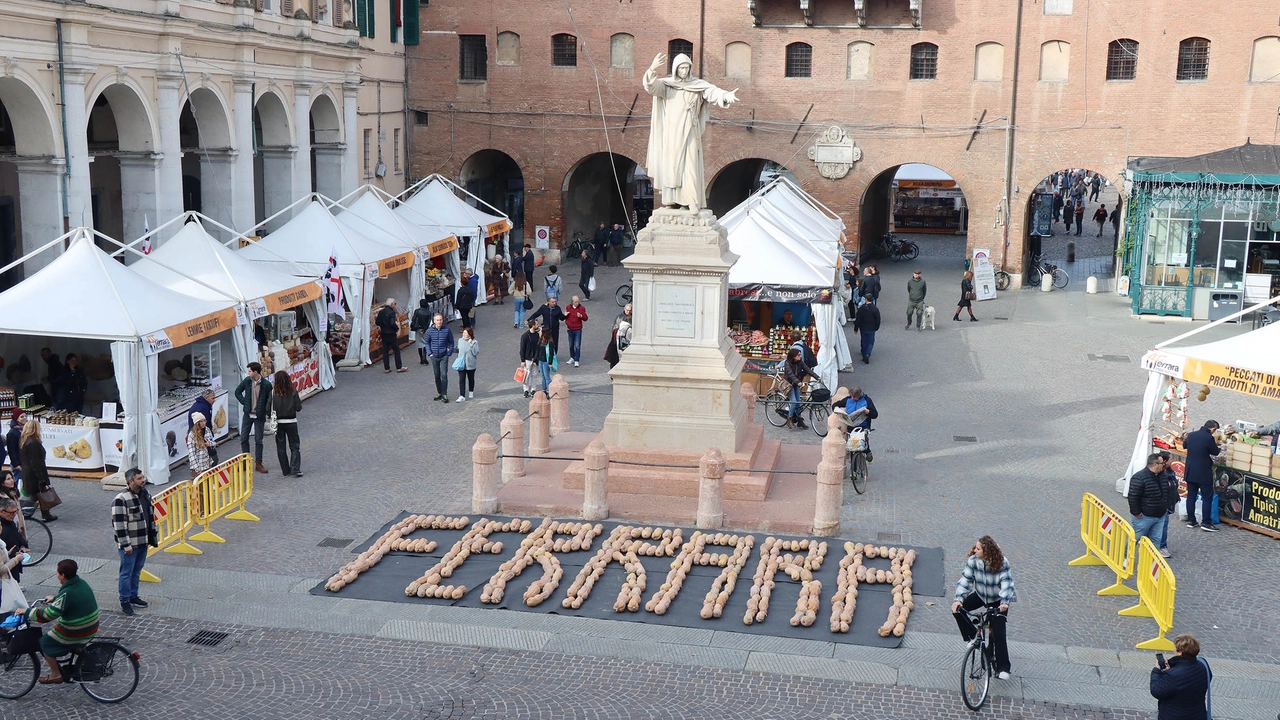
(681, 106)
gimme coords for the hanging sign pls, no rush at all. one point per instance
(542, 237)
(293, 297)
(440, 247)
(403, 261)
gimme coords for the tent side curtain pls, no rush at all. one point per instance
(314, 311)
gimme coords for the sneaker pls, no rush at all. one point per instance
(1003, 675)
(908, 326)
(462, 398)
(1164, 552)
(1193, 525)
(577, 364)
(403, 369)
(126, 608)
(298, 474)
(470, 394)
(1209, 528)
(138, 602)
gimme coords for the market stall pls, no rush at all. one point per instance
(926, 200)
(370, 270)
(785, 278)
(1247, 474)
(87, 298)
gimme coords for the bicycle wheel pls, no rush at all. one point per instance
(818, 414)
(975, 677)
(115, 670)
(18, 675)
(1060, 278)
(777, 408)
(39, 541)
(623, 295)
(913, 251)
(766, 384)
(1033, 277)
(855, 467)
(1003, 280)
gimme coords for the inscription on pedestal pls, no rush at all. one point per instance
(675, 311)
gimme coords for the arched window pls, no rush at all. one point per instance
(1266, 60)
(1193, 59)
(737, 60)
(988, 61)
(622, 51)
(799, 60)
(564, 50)
(508, 48)
(679, 46)
(924, 61)
(1122, 59)
(858, 66)
(1055, 61)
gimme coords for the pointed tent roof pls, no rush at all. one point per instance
(195, 255)
(435, 202)
(302, 245)
(783, 237)
(84, 293)
(369, 214)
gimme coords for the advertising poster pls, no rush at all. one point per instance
(984, 275)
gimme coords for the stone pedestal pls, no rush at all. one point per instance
(677, 386)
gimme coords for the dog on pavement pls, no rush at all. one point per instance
(928, 317)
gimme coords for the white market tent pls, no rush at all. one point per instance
(84, 293)
(195, 263)
(302, 247)
(789, 242)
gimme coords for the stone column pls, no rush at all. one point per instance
(301, 140)
(559, 389)
(711, 490)
(277, 189)
(826, 511)
(595, 501)
(539, 424)
(243, 213)
(484, 475)
(351, 175)
(138, 199)
(218, 185)
(39, 201)
(329, 171)
(79, 193)
(512, 446)
(169, 175)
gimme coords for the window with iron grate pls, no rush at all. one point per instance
(679, 46)
(1122, 59)
(564, 50)
(473, 58)
(924, 61)
(799, 60)
(1193, 59)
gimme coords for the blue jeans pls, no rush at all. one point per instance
(575, 345)
(1164, 533)
(1149, 526)
(130, 570)
(519, 316)
(795, 402)
(1206, 502)
(868, 342)
(544, 368)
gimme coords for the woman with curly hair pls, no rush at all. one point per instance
(988, 575)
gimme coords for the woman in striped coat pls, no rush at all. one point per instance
(987, 574)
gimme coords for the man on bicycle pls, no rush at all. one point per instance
(75, 611)
(859, 402)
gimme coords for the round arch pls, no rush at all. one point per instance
(495, 177)
(211, 118)
(326, 120)
(32, 119)
(599, 188)
(271, 120)
(135, 126)
(735, 182)
(917, 199)
(1082, 249)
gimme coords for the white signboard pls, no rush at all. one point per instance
(542, 237)
(71, 447)
(984, 276)
(675, 311)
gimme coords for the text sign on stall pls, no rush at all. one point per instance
(1261, 502)
(984, 276)
(675, 311)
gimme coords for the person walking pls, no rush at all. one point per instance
(553, 284)
(1100, 217)
(548, 363)
(440, 346)
(1068, 213)
(600, 244)
(1057, 207)
(1201, 449)
(586, 274)
(199, 443)
(13, 441)
(500, 271)
(464, 300)
(530, 263)
(866, 324)
(520, 299)
(620, 338)
(615, 245)
(795, 372)
(1095, 187)
(870, 285)
(574, 316)
(254, 396)
(550, 315)
(988, 574)
(35, 475)
(1148, 499)
(967, 297)
(418, 324)
(135, 531)
(286, 403)
(529, 356)
(1115, 220)
(917, 289)
(1181, 686)
(1079, 216)
(389, 330)
(465, 364)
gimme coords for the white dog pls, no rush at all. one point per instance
(928, 317)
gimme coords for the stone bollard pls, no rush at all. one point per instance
(595, 501)
(830, 496)
(1071, 252)
(484, 475)
(1046, 283)
(512, 446)
(1091, 285)
(749, 395)
(559, 389)
(539, 424)
(711, 490)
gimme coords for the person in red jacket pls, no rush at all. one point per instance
(574, 316)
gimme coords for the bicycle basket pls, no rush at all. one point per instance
(95, 662)
(820, 395)
(24, 641)
(857, 440)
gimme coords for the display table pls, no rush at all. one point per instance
(172, 411)
(1246, 499)
(306, 374)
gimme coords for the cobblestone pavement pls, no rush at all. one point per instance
(270, 673)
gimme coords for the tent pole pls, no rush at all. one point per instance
(60, 239)
(1218, 322)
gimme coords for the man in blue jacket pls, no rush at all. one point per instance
(1201, 449)
(439, 345)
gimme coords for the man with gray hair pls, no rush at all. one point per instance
(135, 531)
(389, 329)
(10, 533)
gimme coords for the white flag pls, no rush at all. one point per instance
(332, 282)
(146, 241)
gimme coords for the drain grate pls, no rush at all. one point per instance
(999, 318)
(964, 438)
(207, 638)
(888, 537)
(335, 542)
(1110, 358)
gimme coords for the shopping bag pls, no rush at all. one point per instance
(48, 499)
(459, 363)
(591, 285)
(521, 373)
(11, 597)
(857, 440)
(413, 336)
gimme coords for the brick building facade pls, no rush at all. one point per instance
(508, 102)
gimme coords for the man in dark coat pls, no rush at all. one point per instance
(1149, 499)
(588, 272)
(465, 300)
(550, 316)
(254, 395)
(1180, 689)
(1201, 449)
(389, 328)
(615, 245)
(530, 264)
(870, 285)
(419, 323)
(72, 386)
(866, 323)
(600, 243)
(202, 405)
(53, 374)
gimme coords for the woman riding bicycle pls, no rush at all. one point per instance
(988, 574)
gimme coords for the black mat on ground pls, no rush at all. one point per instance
(387, 581)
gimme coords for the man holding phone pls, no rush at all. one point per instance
(1181, 685)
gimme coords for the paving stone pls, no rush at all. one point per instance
(1246, 689)
(465, 635)
(765, 643)
(1065, 671)
(1037, 651)
(1128, 677)
(656, 652)
(855, 672)
(901, 657)
(1095, 694)
(1093, 656)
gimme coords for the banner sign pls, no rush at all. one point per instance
(984, 276)
(497, 228)
(1261, 504)
(440, 247)
(185, 333)
(403, 261)
(292, 297)
(1042, 215)
(1215, 375)
(779, 293)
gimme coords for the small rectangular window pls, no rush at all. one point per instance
(924, 61)
(368, 152)
(473, 58)
(799, 60)
(1193, 59)
(1057, 7)
(1122, 60)
(395, 149)
(564, 50)
(421, 118)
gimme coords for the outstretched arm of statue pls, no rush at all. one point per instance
(650, 79)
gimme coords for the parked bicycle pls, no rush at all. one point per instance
(577, 247)
(39, 538)
(1040, 267)
(979, 661)
(896, 249)
(1003, 280)
(623, 296)
(106, 670)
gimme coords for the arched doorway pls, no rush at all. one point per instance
(736, 181)
(122, 174)
(207, 166)
(601, 188)
(27, 149)
(326, 148)
(272, 159)
(1083, 249)
(495, 177)
(916, 202)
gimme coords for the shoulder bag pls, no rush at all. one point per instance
(48, 498)
(528, 304)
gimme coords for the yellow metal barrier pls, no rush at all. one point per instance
(1156, 590)
(217, 491)
(172, 511)
(1108, 540)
